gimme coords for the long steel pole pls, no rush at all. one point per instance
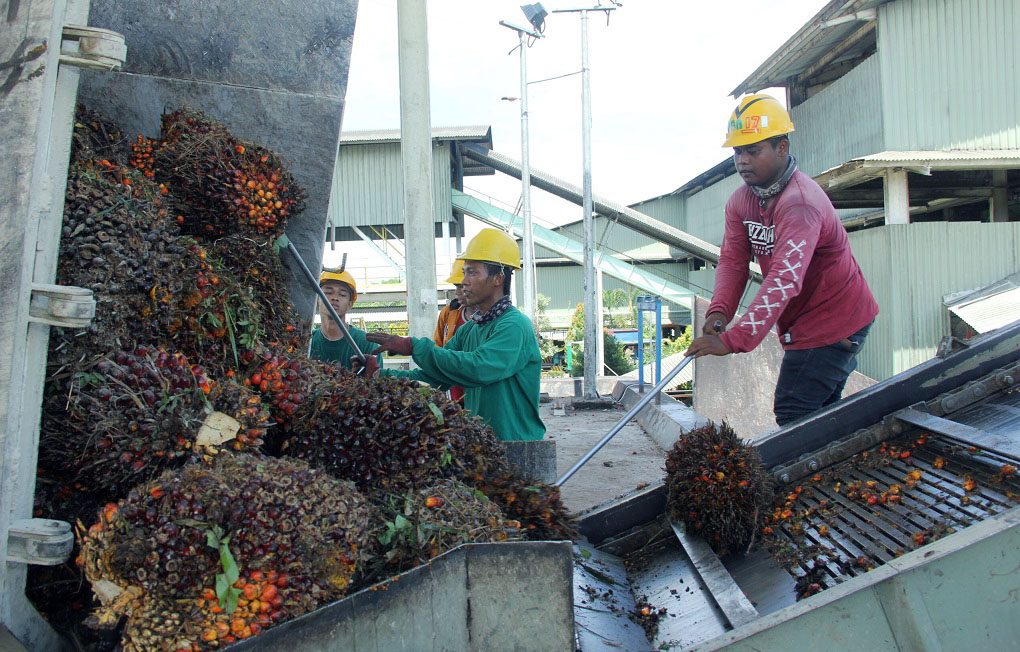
(645, 400)
(530, 300)
(592, 320)
(314, 283)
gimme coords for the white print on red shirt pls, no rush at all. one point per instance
(761, 237)
(748, 320)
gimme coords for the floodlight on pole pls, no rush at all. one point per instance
(529, 300)
(593, 347)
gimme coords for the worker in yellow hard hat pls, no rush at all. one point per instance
(494, 355)
(813, 293)
(328, 342)
(453, 315)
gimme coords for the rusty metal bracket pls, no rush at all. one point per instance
(92, 48)
(61, 305)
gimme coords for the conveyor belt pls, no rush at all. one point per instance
(885, 502)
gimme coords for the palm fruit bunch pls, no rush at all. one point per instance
(383, 432)
(286, 382)
(717, 486)
(118, 245)
(226, 549)
(224, 185)
(207, 312)
(133, 414)
(535, 505)
(423, 524)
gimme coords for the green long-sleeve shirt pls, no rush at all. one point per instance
(340, 350)
(499, 367)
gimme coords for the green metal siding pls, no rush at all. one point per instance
(705, 210)
(910, 268)
(368, 185)
(668, 209)
(841, 122)
(949, 72)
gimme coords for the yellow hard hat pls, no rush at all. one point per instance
(493, 246)
(457, 273)
(757, 118)
(340, 277)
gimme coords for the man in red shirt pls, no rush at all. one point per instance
(814, 293)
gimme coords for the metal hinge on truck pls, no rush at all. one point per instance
(61, 305)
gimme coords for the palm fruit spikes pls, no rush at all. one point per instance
(717, 486)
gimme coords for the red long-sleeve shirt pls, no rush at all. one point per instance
(814, 292)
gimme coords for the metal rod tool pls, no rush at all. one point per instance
(645, 400)
(322, 295)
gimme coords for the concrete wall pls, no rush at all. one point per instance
(275, 72)
(739, 389)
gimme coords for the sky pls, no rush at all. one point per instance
(661, 72)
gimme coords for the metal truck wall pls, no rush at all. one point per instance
(37, 95)
(274, 72)
(958, 593)
(506, 596)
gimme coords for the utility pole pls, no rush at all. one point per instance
(416, 163)
(529, 300)
(592, 315)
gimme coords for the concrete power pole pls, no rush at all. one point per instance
(416, 161)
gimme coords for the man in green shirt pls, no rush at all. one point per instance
(494, 356)
(328, 342)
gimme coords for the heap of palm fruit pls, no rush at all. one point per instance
(174, 409)
(231, 547)
(717, 486)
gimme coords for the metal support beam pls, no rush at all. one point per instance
(416, 162)
(998, 205)
(379, 250)
(897, 197)
(626, 216)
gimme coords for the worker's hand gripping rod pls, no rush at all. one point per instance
(314, 282)
(645, 400)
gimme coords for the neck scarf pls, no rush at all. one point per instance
(496, 310)
(764, 194)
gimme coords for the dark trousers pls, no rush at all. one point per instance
(810, 379)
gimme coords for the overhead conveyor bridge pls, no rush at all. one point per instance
(632, 219)
(574, 250)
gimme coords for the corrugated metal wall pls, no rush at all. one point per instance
(704, 212)
(910, 268)
(950, 73)
(842, 122)
(368, 185)
(668, 209)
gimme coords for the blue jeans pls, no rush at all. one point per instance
(810, 379)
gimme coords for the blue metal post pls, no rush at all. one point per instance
(641, 345)
(658, 340)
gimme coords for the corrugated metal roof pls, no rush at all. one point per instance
(991, 307)
(472, 133)
(813, 41)
(863, 168)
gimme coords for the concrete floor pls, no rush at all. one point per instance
(628, 460)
